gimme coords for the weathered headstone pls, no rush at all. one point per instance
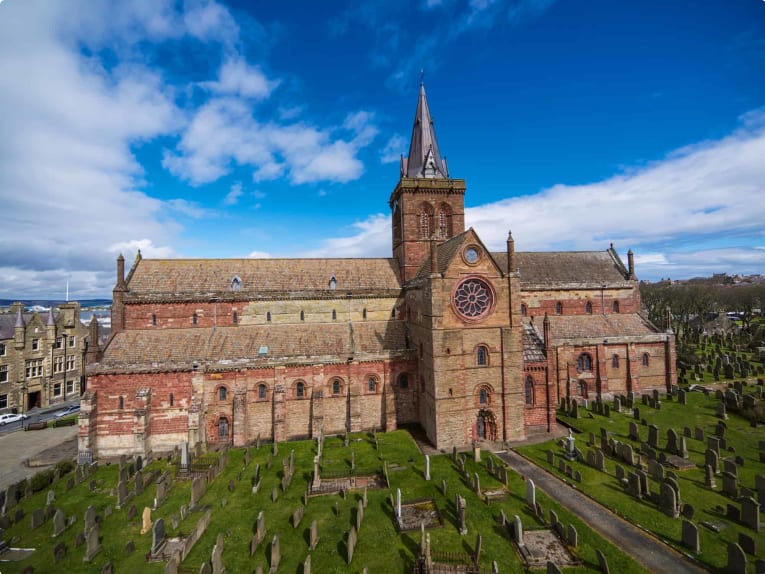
(158, 536)
(276, 555)
(690, 536)
(352, 538)
(531, 494)
(93, 543)
(314, 536)
(736, 559)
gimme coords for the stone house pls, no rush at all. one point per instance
(42, 356)
(467, 343)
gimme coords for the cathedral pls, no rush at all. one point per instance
(466, 343)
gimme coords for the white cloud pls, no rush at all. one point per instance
(372, 239)
(129, 249)
(259, 255)
(232, 197)
(238, 78)
(393, 149)
(223, 133)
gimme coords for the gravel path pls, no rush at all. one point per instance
(647, 550)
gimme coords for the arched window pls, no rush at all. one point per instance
(584, 363)
(364, 314)
(302, 315)
(371, 385)
(334, 315)
(122, 403)
(194, 318)
(268, 316)
(336, 387)
(172, 399)
(222, 393)
(236, 284)
(223, 429)
(424, 224)
(559, 308)
(262, 391)
(615, 361)
(403, 381)
(300, 390)
(444, 230)
(481, 356)
(332, 283)
(153, 320)
(588, 308)
(524, 309)
(483, 396)
(234, 318)
(645, 359)
(615, 307)
(529, 388)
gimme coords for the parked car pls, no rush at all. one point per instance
(11, 418)
(70, 410)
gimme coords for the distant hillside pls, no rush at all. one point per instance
(56, 302)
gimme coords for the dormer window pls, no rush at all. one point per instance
(236, 284)
(332, 283)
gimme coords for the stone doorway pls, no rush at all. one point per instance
(223, 429)
(486, 425)
(34, 400)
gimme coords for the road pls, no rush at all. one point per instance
(647, 550)
(33, 416)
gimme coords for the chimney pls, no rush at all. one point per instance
(511, 268)
(120, 272)
(631, 264)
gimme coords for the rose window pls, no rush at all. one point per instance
(473, 298)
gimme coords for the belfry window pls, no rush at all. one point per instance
(172, 399)
(424, 224)
(443, 223)
(584, 363)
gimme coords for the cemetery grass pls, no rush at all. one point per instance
(603, 487)
(380, 546)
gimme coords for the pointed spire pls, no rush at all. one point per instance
(19, 320)
(51, 321)
(424, 159)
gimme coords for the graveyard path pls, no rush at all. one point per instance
(644, 548)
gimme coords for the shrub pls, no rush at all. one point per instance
(42, 480)
(64, 467)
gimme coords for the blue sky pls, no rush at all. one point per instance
(236, 129)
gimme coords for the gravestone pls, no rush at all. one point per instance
(158, 536)
(634, 432)
(38, 517)
(736, 559)
(427, 467)
(276, 555)
(531, 494)
(730, 484)
(59, 552)
(51, 498)
(672, 445)
(602, 562)
(698, 433)
(314, 536)
(750, 513)
(518, 530)
(93, 543)
(146, 520)
(297, 516)
(217, 556)
(59, 522)
(712, 460)
(653, 436)
(198, 487)
(129, 548)
(138, 482)
(690, 536)
(90, 518)
(352, 537)
(573, 536)
(669, 500)
(747, 544)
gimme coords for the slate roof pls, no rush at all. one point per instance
(446, 252)
(533, 345)
(8, 322)
(423, 141)
(240, 345)
(207, 276)
(598, 326)
(566, 268)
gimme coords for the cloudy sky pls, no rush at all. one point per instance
(205, 128)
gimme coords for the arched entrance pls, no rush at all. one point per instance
(223, 429)
(486, 425)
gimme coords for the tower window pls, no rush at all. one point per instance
(334, 315)
(268, 316)
(584, 363)
(524, 309)
(559, 308)
(645, 359)
(262, 391)
(371, 385)
(336, 387)
(529, 388)
(615, 307)
(483, 396)
(194, 319)
(615, 361)
(300, 390)
(302, 315)
(154, 320)
(481, 356)
(424, 224)
(588, 308)
(234, 318)
(222, 393)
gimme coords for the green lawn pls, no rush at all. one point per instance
(700, 411)
(381, 547)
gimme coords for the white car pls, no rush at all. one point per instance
(11, 418)
(70, 410)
